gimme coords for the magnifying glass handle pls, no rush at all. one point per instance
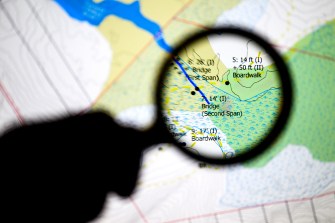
(90, 147)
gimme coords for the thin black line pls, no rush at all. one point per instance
(264, 215)
(197, 54)
(288, 212)
(266, 74)
(314, 213)
(225, 73)
(53, 42)
(240, 215)
(187, 53)
(231, 88)
(38, 63)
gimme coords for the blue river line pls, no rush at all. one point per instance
(95, 12)
(190, 80)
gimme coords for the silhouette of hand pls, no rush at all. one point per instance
(61, 171)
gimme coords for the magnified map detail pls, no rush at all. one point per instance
(221, 95)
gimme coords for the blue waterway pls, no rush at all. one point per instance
(94, 13)
(190, 80)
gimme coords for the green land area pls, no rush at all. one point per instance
(312, 121)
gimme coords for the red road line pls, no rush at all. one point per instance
(12, 104)
(192, 23)
(139, 211)
(177, 13)
(249, 207)
(321, 56)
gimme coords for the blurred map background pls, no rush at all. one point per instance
(66, 57)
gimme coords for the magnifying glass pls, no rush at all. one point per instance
(223, 96)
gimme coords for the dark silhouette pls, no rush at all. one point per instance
(61, 171)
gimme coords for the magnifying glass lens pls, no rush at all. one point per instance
(222, 94)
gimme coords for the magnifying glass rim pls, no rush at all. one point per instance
(286, 95)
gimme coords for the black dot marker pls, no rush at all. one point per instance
(227, 82)
(197, 88)
(192, 92)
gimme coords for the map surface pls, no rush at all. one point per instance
(60, 57)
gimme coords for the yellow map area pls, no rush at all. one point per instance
(137, 59)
